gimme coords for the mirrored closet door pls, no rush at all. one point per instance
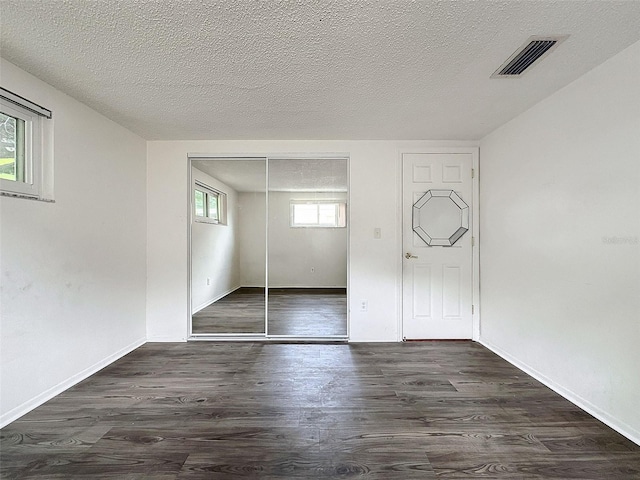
(269, 247)
(307, 248)
(228, 246)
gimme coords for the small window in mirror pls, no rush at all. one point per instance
(198, 201)
(209, 205)
(324, 214)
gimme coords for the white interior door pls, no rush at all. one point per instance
(437, 279)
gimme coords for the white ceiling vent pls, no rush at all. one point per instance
(534, 49)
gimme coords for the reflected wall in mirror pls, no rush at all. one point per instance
(307, 251)
(440, 218)
(228, 246)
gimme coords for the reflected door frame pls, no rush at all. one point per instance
(261, 156)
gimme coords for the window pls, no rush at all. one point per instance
(327, 214)
(213, 206)
(21, 124)
(209, 205)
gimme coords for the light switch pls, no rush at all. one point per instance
(377, 233)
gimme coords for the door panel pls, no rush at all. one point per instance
(228, 255)
(307, 252)
(437, 280)
(451, 299)
(422, 283)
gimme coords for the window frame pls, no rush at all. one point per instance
(340, 213)
(31, 186)
(207, 193)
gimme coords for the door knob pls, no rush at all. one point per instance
(408, 255)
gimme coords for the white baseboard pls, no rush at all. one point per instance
(294, 286)
(307, 286)
(215, 299)
(166, 339)
(26, 407)
(618, 425)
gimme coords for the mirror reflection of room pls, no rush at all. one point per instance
(306, 293)
(228, 246)
(307, 275)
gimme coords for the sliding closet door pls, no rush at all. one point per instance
(228, 246)
(307, 253)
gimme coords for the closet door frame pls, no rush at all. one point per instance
(266, 157)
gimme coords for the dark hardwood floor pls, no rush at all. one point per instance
(242, 311)
(308, 312)
(302, 312)
(265, 410)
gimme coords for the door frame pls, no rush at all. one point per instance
(266, 156)
(463, 147)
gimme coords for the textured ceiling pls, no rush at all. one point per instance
(318, 69)
(290, 175)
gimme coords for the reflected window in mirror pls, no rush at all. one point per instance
(324, 214)
(209, 205)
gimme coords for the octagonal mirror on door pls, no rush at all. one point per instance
(440, 218)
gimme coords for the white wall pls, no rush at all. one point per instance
(214, 250)
(292, 251)
(374, 264)
(73, 271)
(560, 248)
(252, 238)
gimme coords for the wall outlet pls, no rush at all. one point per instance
(364, 305)
(208, 281)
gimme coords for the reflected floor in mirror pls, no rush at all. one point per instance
(302, 312)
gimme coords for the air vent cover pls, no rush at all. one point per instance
(533, 50)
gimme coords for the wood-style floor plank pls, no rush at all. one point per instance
(300, 312)
(275, 411)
